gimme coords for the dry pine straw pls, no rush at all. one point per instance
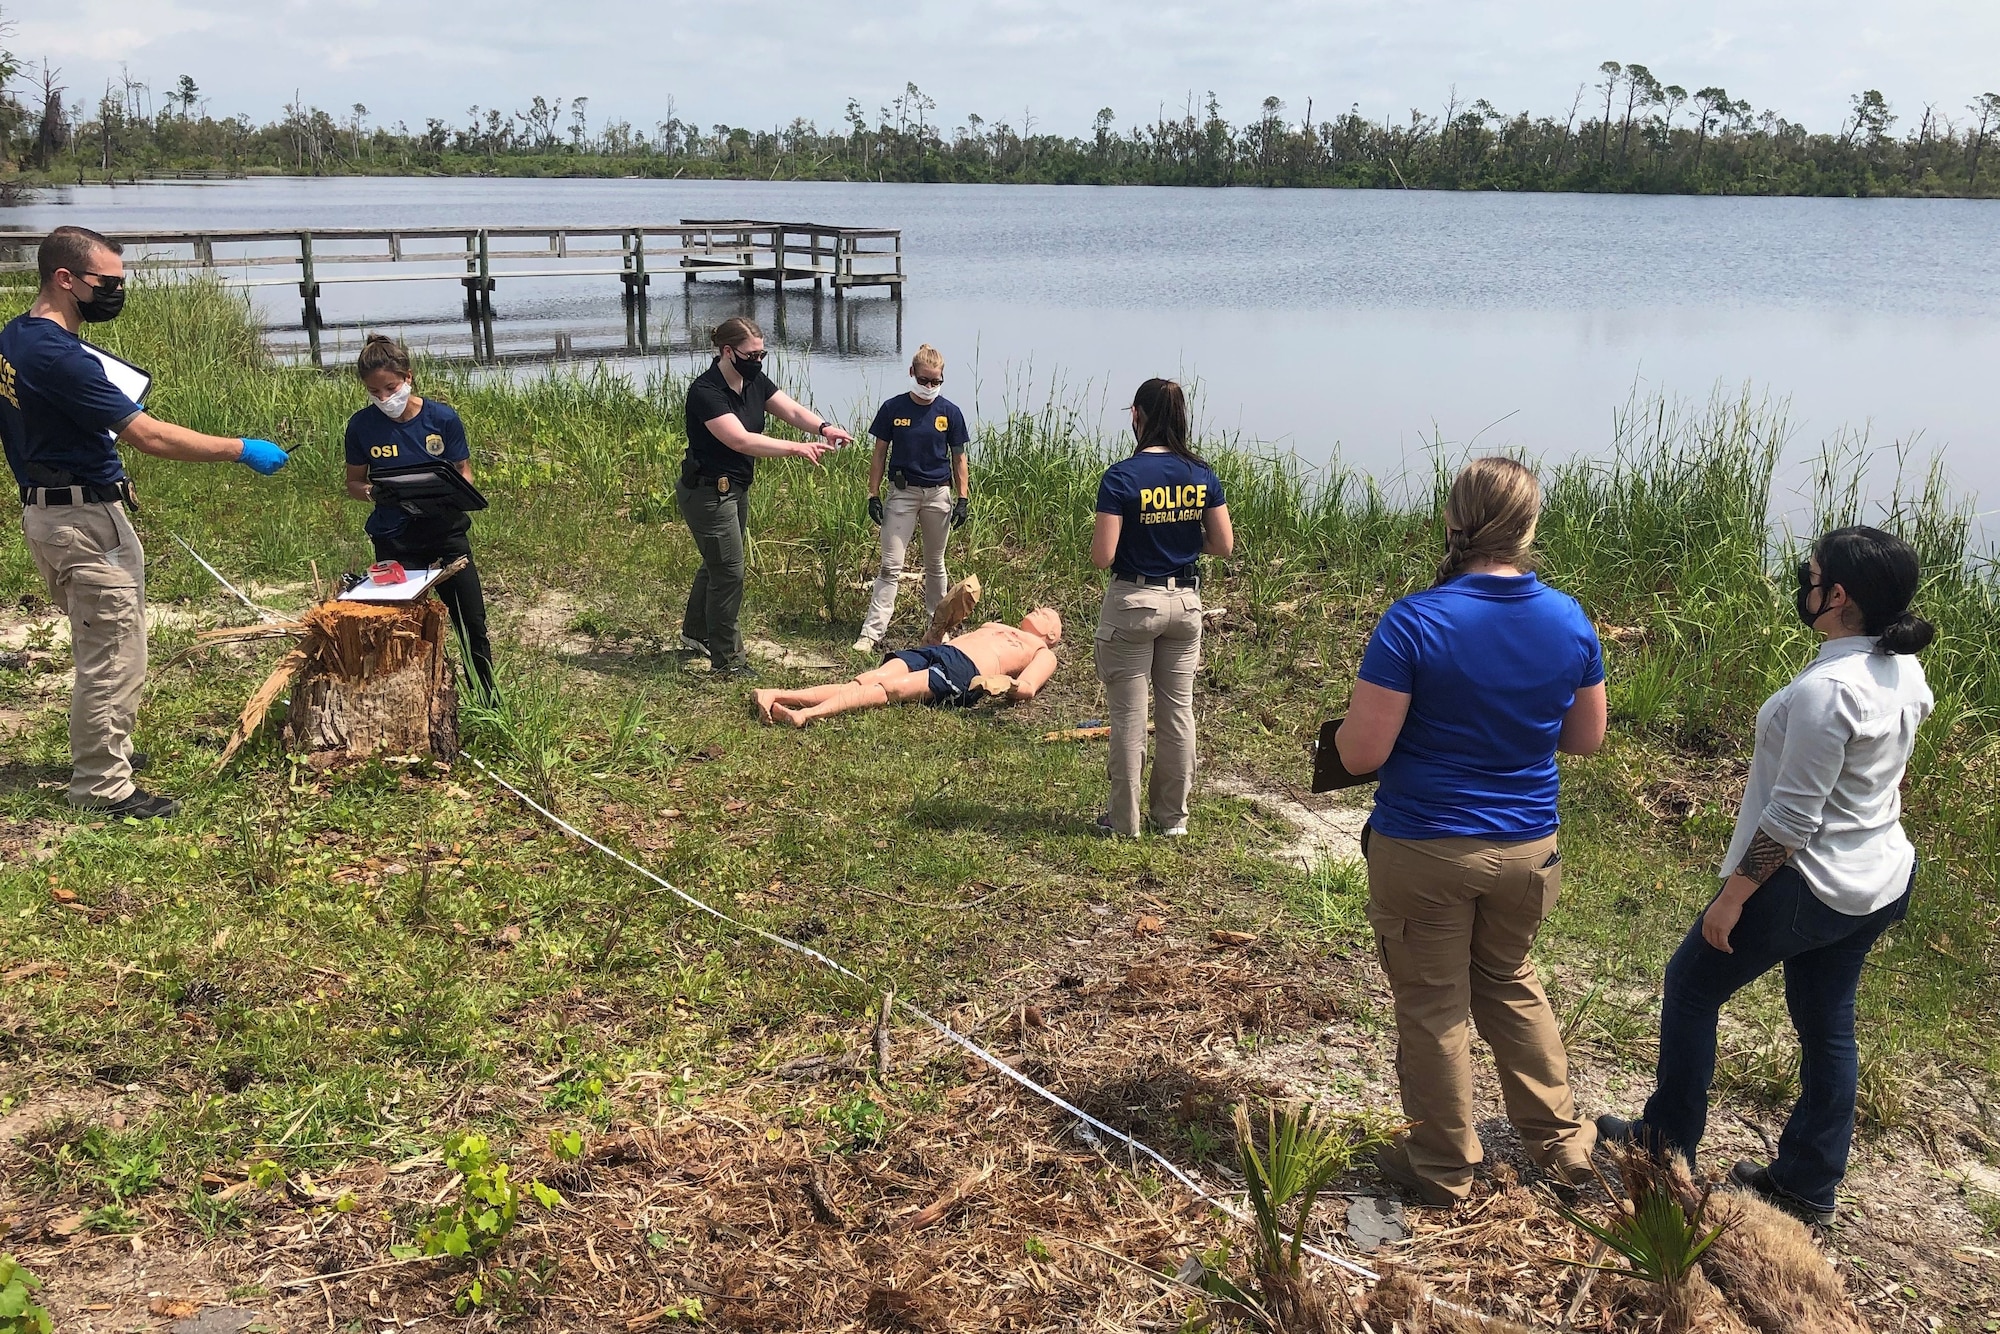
(985, 1213)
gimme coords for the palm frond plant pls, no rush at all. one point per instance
(1660, 1231)
(1283, 1178)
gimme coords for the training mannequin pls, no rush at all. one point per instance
(997, 661)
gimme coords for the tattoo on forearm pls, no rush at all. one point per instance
(1763, 859)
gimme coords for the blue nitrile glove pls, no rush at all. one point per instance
(262, 456)
(875, 509)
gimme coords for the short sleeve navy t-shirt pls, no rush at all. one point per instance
(434, 435)
(1163, 500)
(710, 397)
(922, 437)
(1491, 663)
(59, 411)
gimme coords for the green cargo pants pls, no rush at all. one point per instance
(720, 522)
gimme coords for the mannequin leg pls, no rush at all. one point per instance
(891, 683)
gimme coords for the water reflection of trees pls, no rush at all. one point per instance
(668, 324)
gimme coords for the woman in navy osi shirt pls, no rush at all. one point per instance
(920, 439)
(398, 432)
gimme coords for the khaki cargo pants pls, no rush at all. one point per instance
(96, 572)
(1454, 919)
(904, 510)
(1149, 636)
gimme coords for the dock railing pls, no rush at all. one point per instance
(479, 258)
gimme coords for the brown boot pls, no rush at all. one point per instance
(1393, 1162)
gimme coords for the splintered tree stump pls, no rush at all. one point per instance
(374, 680)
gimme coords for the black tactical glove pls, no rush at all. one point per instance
(875, 509)
(961, 511)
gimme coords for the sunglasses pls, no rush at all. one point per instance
(106, 282)
(1806, 581)
(928, 382)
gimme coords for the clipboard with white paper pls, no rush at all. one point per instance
(126, 378)
(414, 583)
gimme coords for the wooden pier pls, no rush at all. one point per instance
(480, 258)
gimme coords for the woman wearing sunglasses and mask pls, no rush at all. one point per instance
(920, 440)
(1818, 869)
(726, 414)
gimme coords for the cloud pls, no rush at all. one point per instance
(103, 32)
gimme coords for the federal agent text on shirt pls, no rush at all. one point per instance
(726, 414)
(399, 432)
(61, 420)
(920, 439)
(1158, 512)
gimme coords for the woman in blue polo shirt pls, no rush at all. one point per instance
(1467, 691)
(1157, 513)
(398, 432)
(920, 442)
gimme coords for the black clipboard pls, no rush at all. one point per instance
(1329, 774)
(434, 489)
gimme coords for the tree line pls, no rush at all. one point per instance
(1625, 132)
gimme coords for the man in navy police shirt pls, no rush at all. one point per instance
(61, 421)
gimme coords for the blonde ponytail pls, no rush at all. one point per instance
(1489, 517)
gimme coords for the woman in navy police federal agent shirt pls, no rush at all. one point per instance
(1157, 513)
(1467, 691)
(920, 446)
(402, 431)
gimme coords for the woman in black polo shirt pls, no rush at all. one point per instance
(726, 407)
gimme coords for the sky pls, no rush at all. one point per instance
(1050, 64)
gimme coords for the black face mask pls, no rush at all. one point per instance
(1806, 586)
(749, 365)
(107, 298)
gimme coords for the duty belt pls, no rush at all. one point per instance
(81, 494)
(722, 482)
(1184, 580)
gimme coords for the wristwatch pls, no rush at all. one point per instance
(821, 430)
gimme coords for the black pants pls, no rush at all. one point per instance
(461, 594)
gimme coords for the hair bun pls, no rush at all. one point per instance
(1908, 633)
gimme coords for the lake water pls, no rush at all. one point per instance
(1360, 324)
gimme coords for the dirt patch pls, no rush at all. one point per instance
(801, 1194)
(47, 632)
(1322, 827)
(549, 624)
(769, 650)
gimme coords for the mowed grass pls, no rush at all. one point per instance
(306, 963)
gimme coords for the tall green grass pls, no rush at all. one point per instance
(1665, 535)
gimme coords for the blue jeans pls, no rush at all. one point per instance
(1822, 951)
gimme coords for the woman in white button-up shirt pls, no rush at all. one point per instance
(1818, 869)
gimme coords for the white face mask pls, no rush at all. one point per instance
(395, 404)
(924, 393)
